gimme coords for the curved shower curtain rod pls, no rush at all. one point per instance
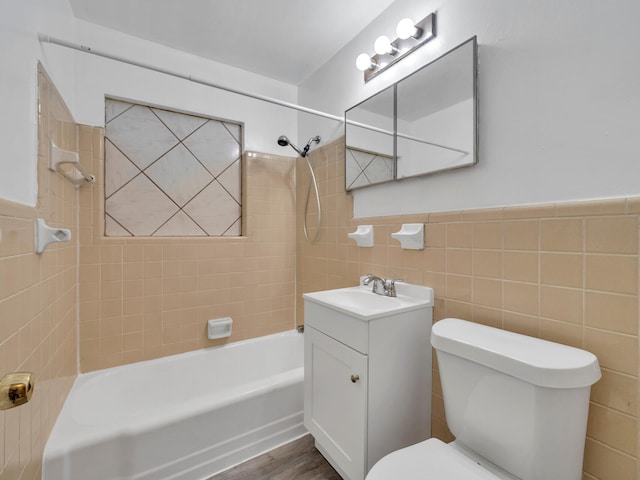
(82, 48)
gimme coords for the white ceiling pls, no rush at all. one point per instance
(282, 39)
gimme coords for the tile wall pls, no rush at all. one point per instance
(38, 298)
(562, 272)
(142, 298)
(173, 166)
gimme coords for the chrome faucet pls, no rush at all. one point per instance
(381, 286)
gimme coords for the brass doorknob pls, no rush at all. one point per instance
(355, 378)
(15, 389)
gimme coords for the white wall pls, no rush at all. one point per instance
(97, 77)
(20, 51)
(558, 93)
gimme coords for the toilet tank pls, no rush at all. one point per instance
(518, 401)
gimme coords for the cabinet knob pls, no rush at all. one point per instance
(355, 378)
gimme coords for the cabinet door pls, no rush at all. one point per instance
(335, 401)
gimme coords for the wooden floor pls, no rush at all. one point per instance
(298, 460)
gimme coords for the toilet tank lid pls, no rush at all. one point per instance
(533, 360)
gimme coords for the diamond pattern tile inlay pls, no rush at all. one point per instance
(230, 180)
(120, 170)
(179, 175)
(180, 225)
(140, 135)
(140, 206)
(215, 146)
(214, 210)
(180, 124)
(160, 169)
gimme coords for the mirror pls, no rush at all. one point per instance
(369, 153)
(434, 127)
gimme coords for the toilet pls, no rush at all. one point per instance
(517, 406)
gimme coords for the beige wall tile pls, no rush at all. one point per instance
(564, 304)
(459, 235)
(612, 273)
(599, 207)
(612, 235)
(487, 235)
(459, 287)
(633, 205)
(561, 235)
(605, 463)
(487, 263)
(561, 332)
(521, 235)
(459, 261)
(519, 323)
(615, 351)
(520, 266)
(613, 312)
(562, 269)
(435, 235)
(435, 259)
(529, 211)
(616, 390)
(520, 297)
(487, 292)
(492, 317)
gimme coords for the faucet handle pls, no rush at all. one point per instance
(390, 287)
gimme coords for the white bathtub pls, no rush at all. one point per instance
(183, 417)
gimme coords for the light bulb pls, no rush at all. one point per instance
(407, 28)
(384, 46)
(364, 62)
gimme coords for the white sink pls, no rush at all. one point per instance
(360, 302)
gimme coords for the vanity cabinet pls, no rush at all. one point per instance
(367, 378)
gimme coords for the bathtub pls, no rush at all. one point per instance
(183, 417)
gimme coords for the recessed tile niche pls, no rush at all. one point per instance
(170, 174)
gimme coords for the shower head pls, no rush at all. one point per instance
(284, 141)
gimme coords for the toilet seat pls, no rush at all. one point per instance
(432, 459)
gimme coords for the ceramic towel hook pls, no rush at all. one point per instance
(410, 236)
(46, 235)
(363, 235)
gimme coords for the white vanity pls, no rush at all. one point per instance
(367, 373)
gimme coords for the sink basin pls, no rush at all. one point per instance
(360, 302)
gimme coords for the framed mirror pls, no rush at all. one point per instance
(434, 124)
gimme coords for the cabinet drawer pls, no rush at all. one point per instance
(345, 329)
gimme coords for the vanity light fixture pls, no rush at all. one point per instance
(407, 28)
(411, 36)
(384, 46)
(364, 62)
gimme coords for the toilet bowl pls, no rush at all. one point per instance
(517, 406)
